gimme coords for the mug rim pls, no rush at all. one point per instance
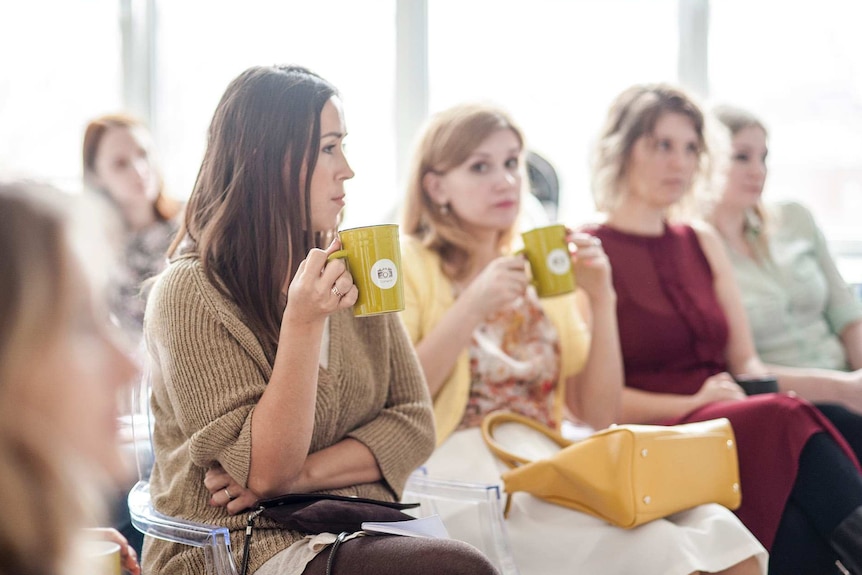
(543, 228)
(368, 227)
(100, 547)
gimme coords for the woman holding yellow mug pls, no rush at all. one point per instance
(486, 342)
(264, 382)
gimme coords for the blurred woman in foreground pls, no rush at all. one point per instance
(59, 376)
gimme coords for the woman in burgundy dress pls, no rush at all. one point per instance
(683, 332)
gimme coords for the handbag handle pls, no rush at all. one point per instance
(492, 420)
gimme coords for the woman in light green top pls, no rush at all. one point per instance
(801, 311)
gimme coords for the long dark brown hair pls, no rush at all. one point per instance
(247, 216)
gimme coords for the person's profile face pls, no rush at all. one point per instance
(332, 169)
(484, 191)
(662, 164)
(123, 167)
(77, 379)
(746, 173)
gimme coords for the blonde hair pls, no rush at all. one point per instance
(634, 115)
(40, 494)
(446, 142)
(735, 120)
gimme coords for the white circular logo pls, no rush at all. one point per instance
(559, 262)
(384, 274)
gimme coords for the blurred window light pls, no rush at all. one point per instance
(60, 66)
(202, 45)
(555, 65)
(801, 74)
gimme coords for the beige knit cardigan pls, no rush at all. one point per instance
(208, 372)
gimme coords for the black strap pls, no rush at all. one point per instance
(249, 530)
(247, 542)
(335, 545)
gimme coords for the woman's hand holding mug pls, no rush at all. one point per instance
(501, 282)
(320, 287)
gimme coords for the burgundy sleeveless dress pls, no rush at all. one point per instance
(673, 334)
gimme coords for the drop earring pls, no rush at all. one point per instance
(444, 210)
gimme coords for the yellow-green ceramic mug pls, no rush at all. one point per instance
(547, 252)
(373, 257)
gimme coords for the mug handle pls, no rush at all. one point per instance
(522, 252)
(340, 254)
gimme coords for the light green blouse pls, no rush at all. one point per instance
(796, 300)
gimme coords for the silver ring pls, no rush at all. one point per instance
(229, 496)
(335, 291)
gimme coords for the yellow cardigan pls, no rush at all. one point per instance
(428, 296)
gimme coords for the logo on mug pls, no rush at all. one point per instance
(384, 274)
(559, 262)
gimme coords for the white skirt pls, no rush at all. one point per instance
(548, 539)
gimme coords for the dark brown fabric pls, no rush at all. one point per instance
(394, 555)
(310, 513)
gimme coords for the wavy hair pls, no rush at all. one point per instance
(634, 115)
(446, 142)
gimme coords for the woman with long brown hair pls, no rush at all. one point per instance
(264, 383)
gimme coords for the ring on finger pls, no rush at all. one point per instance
(229, 496)
(335, 291)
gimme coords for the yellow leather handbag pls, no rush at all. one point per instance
(627, 474)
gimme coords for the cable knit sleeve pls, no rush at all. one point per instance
(401, 437)
(207, 373)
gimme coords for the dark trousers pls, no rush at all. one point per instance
(828, 488)
(849, 423)
(393, 555)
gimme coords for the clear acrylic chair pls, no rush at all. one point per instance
(214, 541)
(471, 512)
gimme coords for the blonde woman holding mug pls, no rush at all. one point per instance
(486, 342)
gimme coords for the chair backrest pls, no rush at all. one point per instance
(141, 423)
(471, 512)
(544, 183)
(213, 540)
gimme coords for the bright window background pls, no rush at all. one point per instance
(59, 67)
(202, 45)
(801, 72)
(555, 65)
